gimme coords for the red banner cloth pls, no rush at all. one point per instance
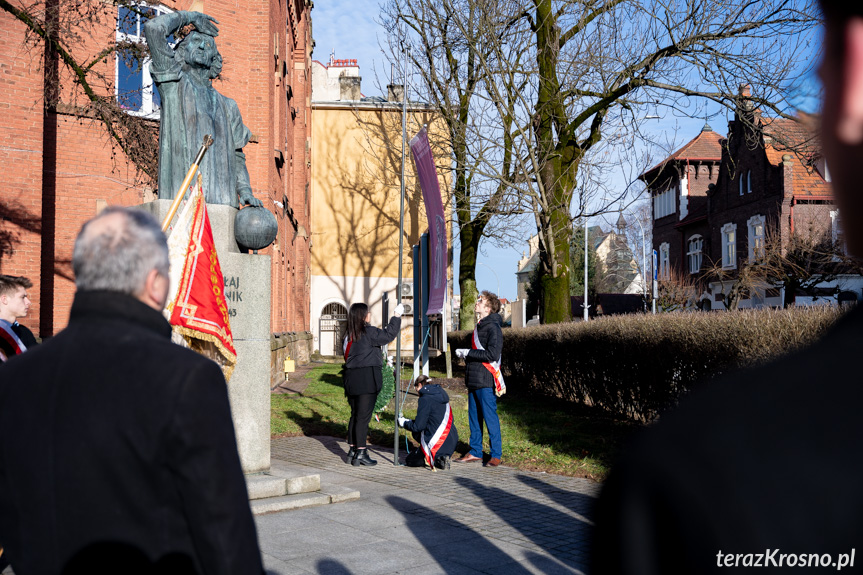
(200, 310)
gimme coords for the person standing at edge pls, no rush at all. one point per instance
(119, 454)
(363, 375)
(761, 468)
(14, 304)
(484, 379)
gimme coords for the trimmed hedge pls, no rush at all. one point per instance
(636, 366)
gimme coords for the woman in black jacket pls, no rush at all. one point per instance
(363, 375)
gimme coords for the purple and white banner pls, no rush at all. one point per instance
(437, 224)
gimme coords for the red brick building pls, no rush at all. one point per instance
(678, 188)
(60, 167)
(765, 180)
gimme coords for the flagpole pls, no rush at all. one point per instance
(187, 181)
(398, 409)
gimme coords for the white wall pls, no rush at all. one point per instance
(353, 289)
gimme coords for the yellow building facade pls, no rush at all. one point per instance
(356, 152)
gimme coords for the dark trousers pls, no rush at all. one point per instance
(362, 407)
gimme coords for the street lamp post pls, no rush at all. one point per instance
(643, 263)
(585, 305)
(495, 276)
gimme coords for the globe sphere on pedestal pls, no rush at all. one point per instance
(255, 228)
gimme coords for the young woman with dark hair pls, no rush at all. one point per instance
(363, 375)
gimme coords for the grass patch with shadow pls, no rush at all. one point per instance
(538, 434)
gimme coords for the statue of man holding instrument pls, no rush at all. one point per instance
(191, 108)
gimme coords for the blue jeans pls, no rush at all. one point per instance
(482, 407)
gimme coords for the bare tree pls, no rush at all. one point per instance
(449, 47)
(802, 264)
(586, 71)
(676, 292)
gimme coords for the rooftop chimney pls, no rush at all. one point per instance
(395, 92)
(349, 88)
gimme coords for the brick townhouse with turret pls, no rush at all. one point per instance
(718, 201)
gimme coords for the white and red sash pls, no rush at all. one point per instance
(11, 338)
(431, 447)
(493, 367)
(346, 345)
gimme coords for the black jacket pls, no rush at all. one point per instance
(491, 337)
(27, 337)
(363, 364)
(430, 411)
(761, 460)
(24, 334)
(122, 442)
(366, 351)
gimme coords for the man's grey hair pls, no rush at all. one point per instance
(119, 259)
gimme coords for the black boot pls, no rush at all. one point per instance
(351, 454)
(442, 462)
(362, 458)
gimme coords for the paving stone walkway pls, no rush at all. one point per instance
(470, 519)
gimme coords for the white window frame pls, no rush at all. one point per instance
(748, 181)
(729, 246)
(694, 254)
(756, 241)
(664, 261)
(664, 203)
(148, 108)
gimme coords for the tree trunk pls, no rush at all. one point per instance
(560, 153)
(789, 296)
(467, 276)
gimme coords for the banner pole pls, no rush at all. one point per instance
(398, 409)
(187, 181)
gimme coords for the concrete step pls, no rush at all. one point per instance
(280, 482)
(327, 496)
(293, 487)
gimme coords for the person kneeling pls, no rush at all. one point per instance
(433, 427)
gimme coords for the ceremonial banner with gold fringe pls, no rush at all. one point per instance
(196, 306)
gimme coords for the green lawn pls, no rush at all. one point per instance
(539, 435)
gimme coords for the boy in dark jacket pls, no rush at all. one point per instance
(433, 427)
(484, 379)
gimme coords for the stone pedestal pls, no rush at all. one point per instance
(247, 290)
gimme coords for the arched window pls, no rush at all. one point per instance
(729, 245)
(755, 226)
(664, 261)
(333, 321)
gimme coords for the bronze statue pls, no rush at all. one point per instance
(191, 108)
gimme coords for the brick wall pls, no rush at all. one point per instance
(58, 172)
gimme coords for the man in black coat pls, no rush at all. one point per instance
(484, 379)
(119, 452)
(762, 469)
(433, 426)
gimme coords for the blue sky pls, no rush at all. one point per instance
(349, 28)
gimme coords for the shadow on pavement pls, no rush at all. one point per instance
(455, 553)
(559, 534)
